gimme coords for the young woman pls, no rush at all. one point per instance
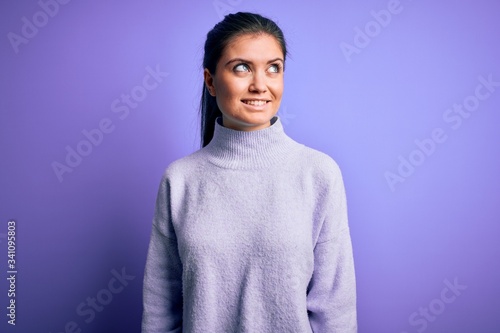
(250, 232)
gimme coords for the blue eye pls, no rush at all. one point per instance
(275, 68)
(241, 68)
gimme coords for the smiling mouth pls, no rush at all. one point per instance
(255, 102)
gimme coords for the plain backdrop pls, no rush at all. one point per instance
(97, 98)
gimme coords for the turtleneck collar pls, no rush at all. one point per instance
(235, 149)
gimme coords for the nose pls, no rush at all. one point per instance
(258, 83)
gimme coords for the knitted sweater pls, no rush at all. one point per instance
(250, 235)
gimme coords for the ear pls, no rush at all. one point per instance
(209, 81)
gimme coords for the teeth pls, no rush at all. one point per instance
(254, 102)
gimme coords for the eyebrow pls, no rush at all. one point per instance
(249, 62)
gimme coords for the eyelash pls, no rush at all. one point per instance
(277, 65)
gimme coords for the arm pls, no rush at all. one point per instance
(331, 298)
(162, 293)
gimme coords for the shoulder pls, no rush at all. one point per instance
(321, 164)
(185, 167)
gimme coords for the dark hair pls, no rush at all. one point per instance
(232, 26)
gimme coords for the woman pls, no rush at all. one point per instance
(250, 232)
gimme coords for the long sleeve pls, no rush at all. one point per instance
(331, 298)
(162, 294)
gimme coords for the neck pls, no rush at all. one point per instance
(232, 125)
(259, 148)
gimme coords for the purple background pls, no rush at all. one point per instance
(366, 110)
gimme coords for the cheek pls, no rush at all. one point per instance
(228, 94)
(232, 92)
(277, 88)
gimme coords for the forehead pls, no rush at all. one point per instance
(255, 47)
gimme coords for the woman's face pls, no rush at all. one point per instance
(248, 82)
